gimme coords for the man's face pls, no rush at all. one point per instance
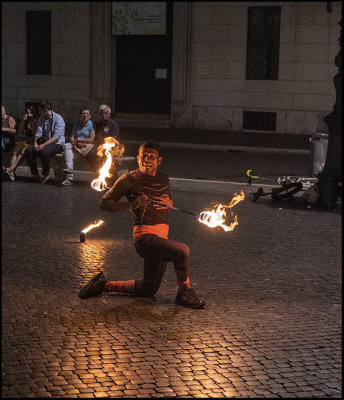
(105, 115)
(45, 113)
(148, 161)
(85, 116)
(3, 112)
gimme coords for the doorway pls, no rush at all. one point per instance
(143, 71)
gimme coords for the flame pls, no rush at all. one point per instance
(111, 147)
(217, 217)
(95, 225)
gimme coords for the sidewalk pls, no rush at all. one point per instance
(271, 328)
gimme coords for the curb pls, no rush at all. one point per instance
(181, 183)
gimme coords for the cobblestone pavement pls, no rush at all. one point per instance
(271, 327)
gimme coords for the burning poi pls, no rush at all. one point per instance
(88, 228)
(111, 148)
(217, 217)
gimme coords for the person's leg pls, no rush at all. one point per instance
(156, 250)
(49, 151)
(98, 284)
(14, 155)
(166, 250)
(30, 155)
(69, 158)
(120, 286)
(18, 158)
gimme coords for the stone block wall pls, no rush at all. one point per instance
(304, 92)
(209, 89)
(67, 88)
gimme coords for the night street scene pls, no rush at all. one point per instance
(171, 200)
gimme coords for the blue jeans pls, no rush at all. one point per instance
(156, 252)
(49, 151)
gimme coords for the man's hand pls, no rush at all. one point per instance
(164, 199)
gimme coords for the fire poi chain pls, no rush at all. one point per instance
(214, 218)
(118, 149)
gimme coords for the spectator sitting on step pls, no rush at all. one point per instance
(49, 140)
(26, 135)
(81, 143)
(8, 130)
(104, 128)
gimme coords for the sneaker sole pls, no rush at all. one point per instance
(83, 291)
(195, 306)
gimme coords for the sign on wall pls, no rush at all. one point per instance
(138, 18)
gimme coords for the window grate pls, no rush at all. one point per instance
(263, 42)
(259, 121)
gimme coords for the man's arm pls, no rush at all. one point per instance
(12, 124)
(53, 139)
(114, 129)
(39, 132)
(89, 140)
(58, 128)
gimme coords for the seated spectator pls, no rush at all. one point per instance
(26, 132)
(49, 140)
(81, 142)
(8, 131)
(104, 128)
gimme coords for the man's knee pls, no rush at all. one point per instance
(184, 250)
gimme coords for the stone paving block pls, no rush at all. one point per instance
(271, 327)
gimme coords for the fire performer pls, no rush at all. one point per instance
(143, 189)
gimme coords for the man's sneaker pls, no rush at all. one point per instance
(188, 298)
(68, 170)
(94, 287)
(66, 182)
(44, 179)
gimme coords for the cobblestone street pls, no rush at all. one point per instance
(271, 327)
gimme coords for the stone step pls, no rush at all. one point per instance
(143, 120)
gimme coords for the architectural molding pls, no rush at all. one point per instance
(181, 110)
(100, 50)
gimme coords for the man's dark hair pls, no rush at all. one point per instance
(44, 105)
(150, 144)
(85, 109)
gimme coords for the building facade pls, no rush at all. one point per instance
(229, 66)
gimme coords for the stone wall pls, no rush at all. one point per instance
(67, 88)
(209, 89)
(304, 92)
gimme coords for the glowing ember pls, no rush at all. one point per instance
(111, 148)
(217, 217)
(95, 225)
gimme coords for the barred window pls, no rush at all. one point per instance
(38, 42)
(263, 42)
